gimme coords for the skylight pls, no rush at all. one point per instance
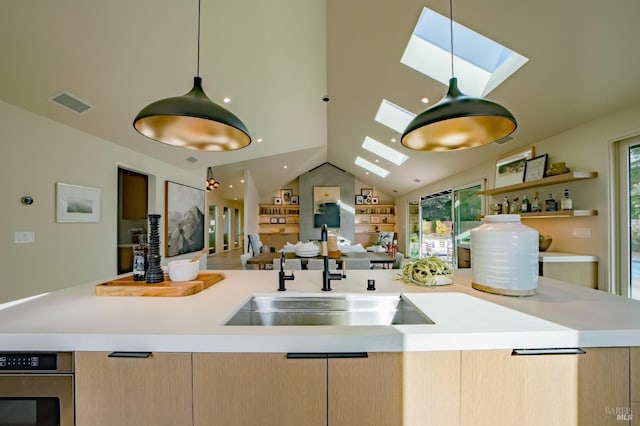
(393, 116)
(382, 150)
(367, 165)
(480, 64)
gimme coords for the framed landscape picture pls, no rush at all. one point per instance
(77, 203)
(183, 218)
(535, 168)
(510, 168)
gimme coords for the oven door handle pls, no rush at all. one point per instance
(120, 354)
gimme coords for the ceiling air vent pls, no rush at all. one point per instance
(71, 102)
(191, 159)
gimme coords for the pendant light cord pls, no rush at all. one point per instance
(451, 33)
(198, 60)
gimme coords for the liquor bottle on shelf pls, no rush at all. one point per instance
(515, 206)
(535, 204)
(550, 204)
(140, 262)
(566, 203)
(505, 205)
(526, 205)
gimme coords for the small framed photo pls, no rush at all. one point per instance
(286, 194)
(277, 200)
(295, 200)
(77, 203)
(282, 220)
(375, 200)
(375, 219)
(367, 200)
(273, 220)
(359, 200)
(535, 168)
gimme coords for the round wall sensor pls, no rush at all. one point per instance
(27, 200)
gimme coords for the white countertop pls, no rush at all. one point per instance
(559, 257)
(559, 315)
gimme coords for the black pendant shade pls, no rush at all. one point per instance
(192, 121)
(458, 122)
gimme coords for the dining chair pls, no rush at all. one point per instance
(360, 263)
(289, 264)
(243, 259)
(318, 264)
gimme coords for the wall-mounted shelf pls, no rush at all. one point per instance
(570, 213)
(551, 180)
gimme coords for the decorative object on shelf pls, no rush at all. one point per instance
(77, 204)
(366, 193)
(458, 121)
(184, 224)
(277, 200)
(535, 168)
(273, 220)
(559, 168)
(192, 120)
(295, 200)
(510, 167)
(286, 194)
(282, 220)
(505, 258)
(375, 200)
(495, 208)
(375, 219)
(154, 271)
(359, 200)
(544, 241)
(212, 183)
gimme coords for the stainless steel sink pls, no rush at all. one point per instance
(339, 310)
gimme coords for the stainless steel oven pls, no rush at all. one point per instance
(36, 389)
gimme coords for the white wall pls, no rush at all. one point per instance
(584, 148)
(35, 153)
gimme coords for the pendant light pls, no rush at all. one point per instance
(458, 121)
(212, 183)
(193, 121)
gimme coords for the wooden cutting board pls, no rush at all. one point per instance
(126, 286)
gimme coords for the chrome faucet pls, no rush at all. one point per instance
(282, 277)
(327, 276)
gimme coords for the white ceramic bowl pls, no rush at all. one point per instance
(183, 270)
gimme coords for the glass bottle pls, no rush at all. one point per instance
(505, 205)
(140, 262)
(566, 203)
(550, 204)
(526, 205)
(515, 206)
(535, 204)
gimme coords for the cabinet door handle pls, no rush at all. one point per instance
(130, 354)
(323, 355)
(548, 351)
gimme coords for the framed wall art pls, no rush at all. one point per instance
(510, 167)
(295, 200)
(366, 193)
(286, 194)
(282, 220)
(375, 200)
(273, 219)
(359, 200)
(535, 168)
(277, 200)
(77, 204)
(326, 207)
(183, 219)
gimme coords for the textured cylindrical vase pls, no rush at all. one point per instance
(504, 256)
(154, 271)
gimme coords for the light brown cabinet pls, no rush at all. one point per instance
(133, 391)
(634, 377)
(279, 224)
(501, 388)
(270, 389)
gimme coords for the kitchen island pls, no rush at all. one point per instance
(461, 370)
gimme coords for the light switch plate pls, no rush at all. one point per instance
(581, 233)
(24, 237)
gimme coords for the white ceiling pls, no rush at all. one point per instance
(277, 59)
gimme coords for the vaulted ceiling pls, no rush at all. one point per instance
(278, 59)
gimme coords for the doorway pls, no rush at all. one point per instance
(626, 254)
(133, 204)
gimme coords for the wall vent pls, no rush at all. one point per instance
(191, 159)
(71, 102)
(504, 140)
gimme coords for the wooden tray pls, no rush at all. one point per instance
(127, 287)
